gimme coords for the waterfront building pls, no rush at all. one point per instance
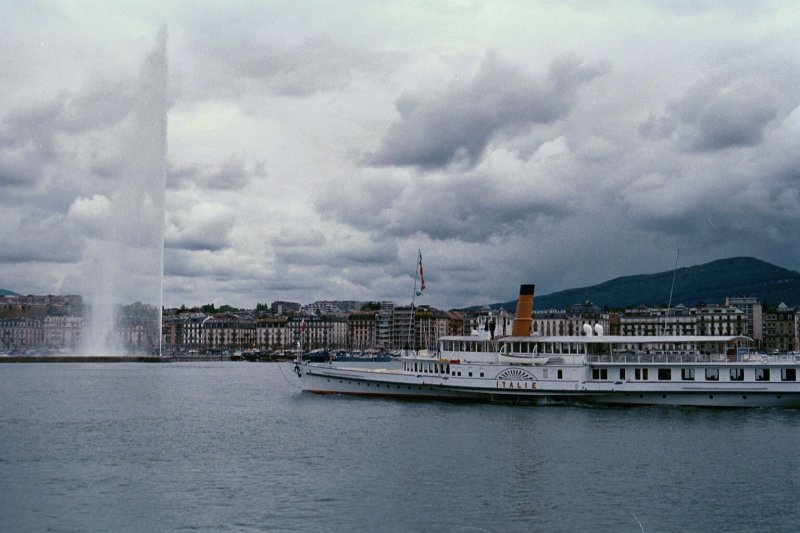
(456, 324)
(338, 331)
(429, 325)
(753, 312)
(782, 329)
(708, 320)
(139, 329)
(383, 325)
(579, 315)
(549, 322)
(403, 328)
(284, 308)
(21, 334)
(272, 333)
(63, 304)
(649, 321)
(361, 331)
(227, 331)
(328, 307)
(485, 317)
(183, 333)
(720, 320)
(62, 332)
(311, 331)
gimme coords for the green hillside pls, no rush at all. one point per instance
(708, 283)
(4, 292)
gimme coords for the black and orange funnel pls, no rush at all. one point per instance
(524, 317)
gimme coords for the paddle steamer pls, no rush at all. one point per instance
(594, 368)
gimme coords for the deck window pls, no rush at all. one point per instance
(788, 374)
(599, 373)
(762, 374)
(641, 374)
(737, 374)
(712, 374)
(664, 374)
(560, 374)
(687, 374)
(621, 373)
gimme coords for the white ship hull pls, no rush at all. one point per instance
(328, 379)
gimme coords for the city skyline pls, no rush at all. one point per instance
(312, 152)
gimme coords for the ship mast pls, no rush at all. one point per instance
(418, 275)
(669, 303)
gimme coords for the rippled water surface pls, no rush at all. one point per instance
(235, 447)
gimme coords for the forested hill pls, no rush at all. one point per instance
(708, 283)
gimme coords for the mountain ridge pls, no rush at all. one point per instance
(707, 283)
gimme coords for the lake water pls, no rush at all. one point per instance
(235, 447)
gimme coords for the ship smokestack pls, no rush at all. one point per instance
(524, 317)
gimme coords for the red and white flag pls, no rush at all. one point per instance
(421, 273)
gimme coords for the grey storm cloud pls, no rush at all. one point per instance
(457, 124)
(718, 114)
(38, 136)
(39, 237)
(468, 208)
(341, 253)
(202, 227)
(243, 62)
(100, 103)
(230, 174)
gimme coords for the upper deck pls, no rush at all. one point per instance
(601, 348)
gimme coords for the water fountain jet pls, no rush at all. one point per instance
(125, 264)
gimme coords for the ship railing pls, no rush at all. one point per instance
(633, 357)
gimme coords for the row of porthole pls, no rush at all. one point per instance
(377, 385)
(710, 396)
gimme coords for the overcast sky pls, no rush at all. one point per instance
(314, 147)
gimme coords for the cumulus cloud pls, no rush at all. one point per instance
(346, 250)
(230, 174)
(716, 114)
(245, 62)
(502, 196)
(39, 238)
(205, 226)
(90, 215)
(458, 123)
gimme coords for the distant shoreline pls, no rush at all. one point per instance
(83, 359)
(117, 359)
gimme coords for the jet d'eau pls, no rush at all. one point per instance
(122, 265)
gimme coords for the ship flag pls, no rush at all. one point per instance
(421, 275)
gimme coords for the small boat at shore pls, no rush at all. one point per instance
(593, 368)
